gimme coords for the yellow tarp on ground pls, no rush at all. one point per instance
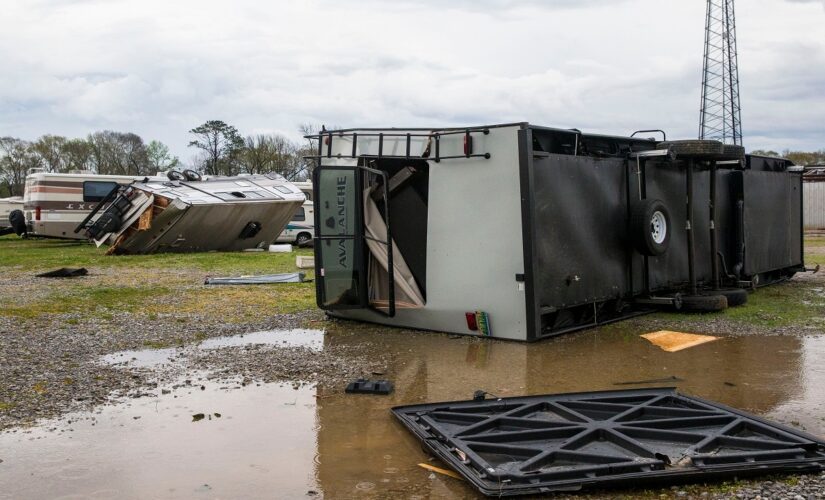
(676, 341)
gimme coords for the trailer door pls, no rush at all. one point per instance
(340, 264)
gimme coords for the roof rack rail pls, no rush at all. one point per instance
(432, 151)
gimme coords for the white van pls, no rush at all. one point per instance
(301, 226)
(300, 229)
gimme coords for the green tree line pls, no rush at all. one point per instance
(802, 158)
(219, 150)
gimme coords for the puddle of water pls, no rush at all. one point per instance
(313, 339)
(262, 446)
(144, 358)
(149, 358)
(272, 440)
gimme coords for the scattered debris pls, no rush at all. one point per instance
(262, 279)
(535, 445)
(305, 262)
(65, 272)
(433, 468)
(281, 248)
(365, 386)
(677, 341)
(197, 417)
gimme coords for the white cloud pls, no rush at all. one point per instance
(160, 68)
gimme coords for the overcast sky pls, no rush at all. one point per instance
(161, 67)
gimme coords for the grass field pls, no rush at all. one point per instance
(147, 284)
(172, 284)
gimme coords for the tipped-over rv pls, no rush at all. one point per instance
(521, 232)
(163, 215)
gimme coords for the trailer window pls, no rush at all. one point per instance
(97, 190)
(299, 215)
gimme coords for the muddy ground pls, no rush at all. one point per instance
(55, 334)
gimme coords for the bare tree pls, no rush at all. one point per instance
(50, 150)
(77, 154)
(270, 153)
(309, 149)
(119, 153)
(16, 158)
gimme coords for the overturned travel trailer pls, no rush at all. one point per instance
(521, 232)
(161, 215)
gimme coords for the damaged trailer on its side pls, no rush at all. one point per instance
(222, 213)
(521, 232)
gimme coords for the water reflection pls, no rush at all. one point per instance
(274, 441)
(781, 377)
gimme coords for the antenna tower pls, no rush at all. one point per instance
(721, 112)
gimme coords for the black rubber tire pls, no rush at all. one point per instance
(192, 176)
(641, 233)
(17, 220)
(174, 175)
(704, 150)
(303, 239)
(704, 303)
(735, 296)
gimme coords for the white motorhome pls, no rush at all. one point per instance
(54, 204)
(165, 215)
(302, 225)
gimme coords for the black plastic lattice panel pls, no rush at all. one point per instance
(540, 444)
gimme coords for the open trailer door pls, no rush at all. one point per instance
(355, 250)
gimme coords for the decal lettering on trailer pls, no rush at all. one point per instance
(342, 219)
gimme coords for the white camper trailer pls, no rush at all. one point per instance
(54, 204)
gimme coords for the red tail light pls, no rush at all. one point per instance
(36, 213)
(468, 144)
(471, 321)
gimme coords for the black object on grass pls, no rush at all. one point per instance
(65, 272)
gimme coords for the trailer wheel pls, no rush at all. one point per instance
(18, 222)
(174, 175)
(192, 176)
(704, 150)
(650, 227)
(735, 296)
(704, 303)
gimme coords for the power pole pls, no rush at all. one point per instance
(721, 112)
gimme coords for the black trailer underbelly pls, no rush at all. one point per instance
(582, 268)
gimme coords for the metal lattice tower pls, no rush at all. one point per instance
(721, 112)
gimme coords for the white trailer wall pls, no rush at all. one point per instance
(813, 197)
